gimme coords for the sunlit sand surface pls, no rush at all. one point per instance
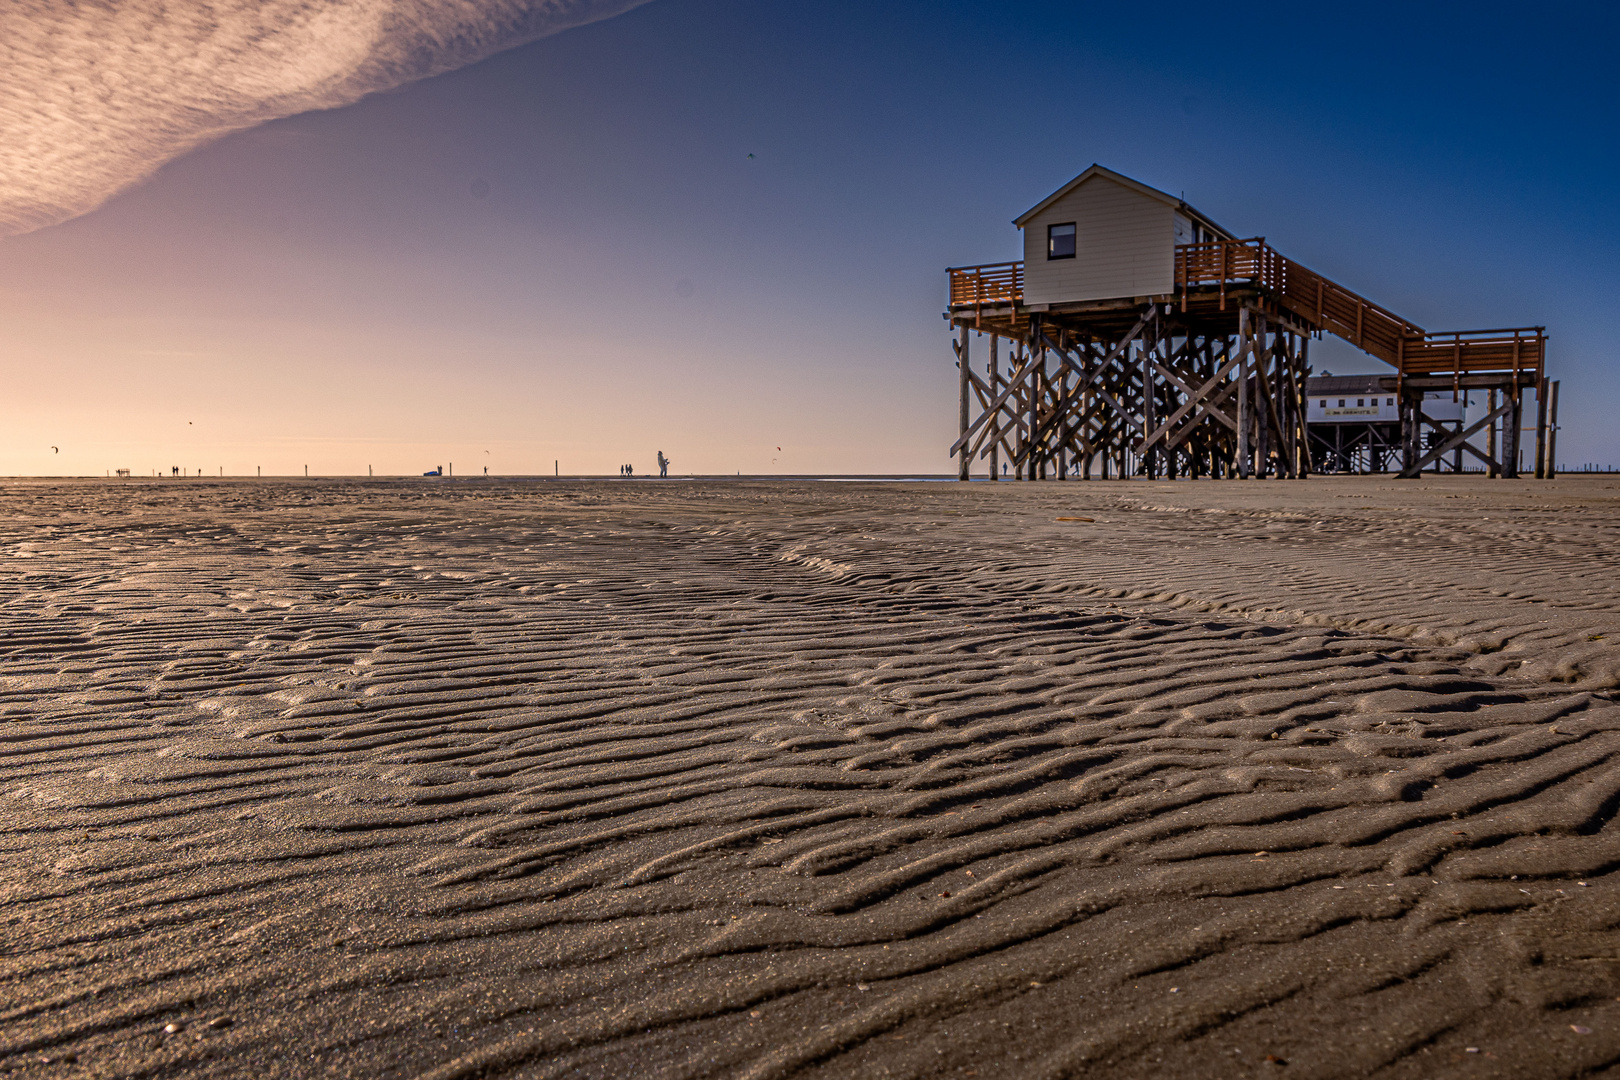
(803, 779)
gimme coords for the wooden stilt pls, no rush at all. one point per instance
(1492, 471)
(1552, 430)
(1160, 392)
(965, 455)
(1510, 433)
(995, 388)
(1541, 428)
(1150, 463)
(1032, 461)
(1244, 456)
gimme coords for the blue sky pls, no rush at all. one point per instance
(566, 254)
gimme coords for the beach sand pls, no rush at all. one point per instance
(689, 779)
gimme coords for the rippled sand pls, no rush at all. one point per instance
(814, 779)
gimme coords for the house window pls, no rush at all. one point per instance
(1389, 401)
(1341, 403)
(1324, 403)
(1360, 403)
(1060, 241)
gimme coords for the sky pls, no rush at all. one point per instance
(718, 228)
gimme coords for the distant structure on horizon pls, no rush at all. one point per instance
(1145, 340)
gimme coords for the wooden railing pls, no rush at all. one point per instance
(993, 283)
(1464, 352)
(1303, 292)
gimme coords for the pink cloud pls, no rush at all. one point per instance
(97, 96)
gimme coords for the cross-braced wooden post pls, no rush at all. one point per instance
(995, 385)
(1552, 430)
(1215, 384)
(965, 379)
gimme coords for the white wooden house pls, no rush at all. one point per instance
(1147, 339)
(1103, 236)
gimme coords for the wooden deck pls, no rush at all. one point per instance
(1210, 276)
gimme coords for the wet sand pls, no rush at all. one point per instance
(810, 779)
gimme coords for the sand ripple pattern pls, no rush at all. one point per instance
(780, 780)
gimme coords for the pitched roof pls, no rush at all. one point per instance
(1134, 185)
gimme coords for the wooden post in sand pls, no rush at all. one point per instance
(962, 410)
(1411, 409)
(1150, 466)
(1491, 470)
(1015, 392)
(1552, 430)
(1541, 428)
(1510, 433)
(1037, 351)
(1260, 430)
(1244, 458)
(995, 388)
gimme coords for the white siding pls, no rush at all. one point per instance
(1124, 246)
(1185, 233)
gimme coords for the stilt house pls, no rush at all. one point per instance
(1142, 338)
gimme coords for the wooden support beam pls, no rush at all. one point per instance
(1301, 373)
(1552, 431)
(1036, 377)
(962, 405)
(1494, 470)
(1196, 399)
(1244, 459)
(1541, 428)
(1458, 441)
(1089, 378)
(1014, 383)
(1512, 420)
(1263, 385)
(995, 379)
(1150, 458)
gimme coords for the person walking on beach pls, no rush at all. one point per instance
(663, 464)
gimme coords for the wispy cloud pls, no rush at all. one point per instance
(97, 94)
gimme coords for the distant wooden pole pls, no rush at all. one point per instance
(1151, 465)
(1492, 471)
(995, 421)
(1411, 409)
(1510, 433)
(1016, 399)
(1302, 374)
(1066, 427)
(1552, 431)
(1244, 459)
(1259, 429)
(1038, 354)
(962, 404)
(1541, 428)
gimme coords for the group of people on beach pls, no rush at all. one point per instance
(663, 467)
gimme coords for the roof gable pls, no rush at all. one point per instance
(1096, 171)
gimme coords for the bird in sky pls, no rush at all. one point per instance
(750, 157)
(54, 450)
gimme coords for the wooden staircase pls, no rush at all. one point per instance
(1327, 306)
